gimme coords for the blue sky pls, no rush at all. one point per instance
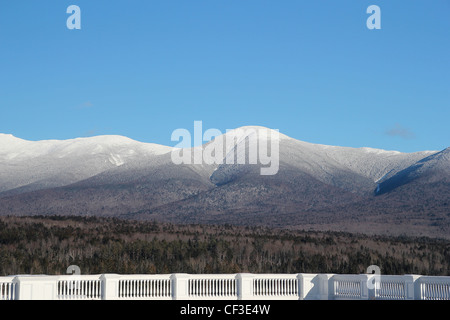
(311, 69)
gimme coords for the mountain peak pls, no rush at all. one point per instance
(108, 139)
(4, 136)
(258, 131)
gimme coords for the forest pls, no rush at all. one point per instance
(49, 244)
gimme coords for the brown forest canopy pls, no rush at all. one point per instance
(48, 245)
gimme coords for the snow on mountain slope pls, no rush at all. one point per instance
(12, 148)
(431, 169)
(49, 163)
(373, 163)
(368, 162)
(350, 168)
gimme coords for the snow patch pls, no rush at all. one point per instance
(116, 159)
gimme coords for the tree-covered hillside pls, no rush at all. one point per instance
(48, 245)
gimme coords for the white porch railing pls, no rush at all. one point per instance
(350, 287)
(395, 288)
(240, 286)
(7, 288)
(76, 287)
(279, 286)
(434, 288)
(137, 287)
(214, 286)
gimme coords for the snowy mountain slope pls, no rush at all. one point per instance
(31, 165)
(15, 149)
(355, 169)
(430, 170)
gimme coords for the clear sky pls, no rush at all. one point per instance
(311, 69)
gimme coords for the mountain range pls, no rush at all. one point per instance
(316, 187)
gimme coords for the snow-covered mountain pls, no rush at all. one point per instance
(345, 188)
(33, 165)
(355, 169)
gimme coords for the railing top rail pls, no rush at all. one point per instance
(396, 278)
(435, 279)
(7, 279)
(212, 276)
(141, 276)
(275, 276)
(85, 277)
(355, 277)
(348, 277)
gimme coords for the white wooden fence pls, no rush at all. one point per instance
(240, 286)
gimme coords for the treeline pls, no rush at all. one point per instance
(48, 245)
